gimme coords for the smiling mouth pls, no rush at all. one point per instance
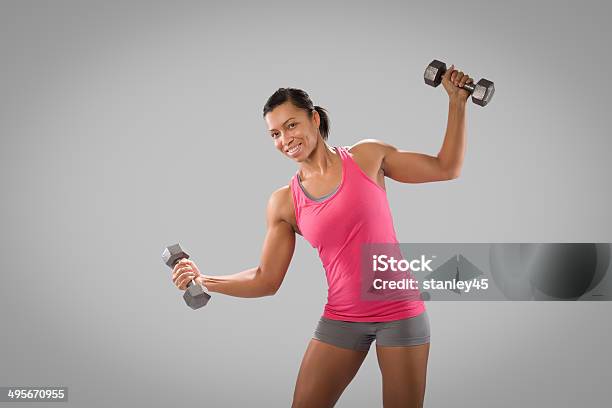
(294, 150)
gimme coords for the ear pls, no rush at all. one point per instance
(316, 117)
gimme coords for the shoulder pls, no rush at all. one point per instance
(370, 153)
(280, 199)
(370, 148)
(280, 206)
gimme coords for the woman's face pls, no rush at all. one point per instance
(293, 132)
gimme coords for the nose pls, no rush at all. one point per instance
(285, 139)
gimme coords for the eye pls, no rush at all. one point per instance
(292, 124)
(274, 135)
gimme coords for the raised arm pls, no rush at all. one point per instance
(411, 167)
(278, 247)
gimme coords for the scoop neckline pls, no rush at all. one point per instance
(338, 188)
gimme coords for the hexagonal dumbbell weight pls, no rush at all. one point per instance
(194, 296)
(482, 91)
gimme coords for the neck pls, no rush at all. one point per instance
(319, 162)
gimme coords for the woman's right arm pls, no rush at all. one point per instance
(278, 247)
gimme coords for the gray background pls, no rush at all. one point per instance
(128, 126)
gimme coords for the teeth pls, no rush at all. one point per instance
(294, 149)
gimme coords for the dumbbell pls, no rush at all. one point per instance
(482, 91)
(194, 296)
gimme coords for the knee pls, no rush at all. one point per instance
(312, 400)
(300, 402)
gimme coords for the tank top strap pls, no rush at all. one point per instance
(296, 191)
(349, 165)
(343, 152)
(347, 162)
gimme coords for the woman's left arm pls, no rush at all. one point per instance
(411, 167)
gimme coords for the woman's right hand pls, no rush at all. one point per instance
(184, 272)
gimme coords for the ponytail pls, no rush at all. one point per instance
(324, 124)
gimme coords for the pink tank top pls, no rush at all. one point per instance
(356, 213)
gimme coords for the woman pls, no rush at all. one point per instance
(337, 201)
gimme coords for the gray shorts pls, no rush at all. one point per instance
(359, 335)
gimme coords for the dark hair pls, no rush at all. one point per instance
(301, 100)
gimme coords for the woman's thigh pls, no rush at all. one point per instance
(325, 372)
(404, 372)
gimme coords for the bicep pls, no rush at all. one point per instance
(401, 165)
(278, 247)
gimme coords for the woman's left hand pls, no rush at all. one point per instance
(453, 81)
